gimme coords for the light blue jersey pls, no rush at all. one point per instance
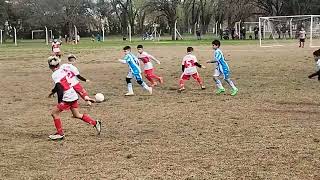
(133, 63)
(222, 65)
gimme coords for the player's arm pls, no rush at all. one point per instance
(199, 65)
(314, 74)
(59, 90)
(82, 78)
(182, 68)
(212, 61)
(124, 60)
(154, 59)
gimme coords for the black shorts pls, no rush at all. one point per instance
(302, 40)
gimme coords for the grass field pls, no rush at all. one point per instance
(270, 130)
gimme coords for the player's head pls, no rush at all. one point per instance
(54, 62)
(189, 50)
(55, 40)
(316, 54)
(127, 49)
(140, 48)
(216, 44)
(72, 58)
(302, 28)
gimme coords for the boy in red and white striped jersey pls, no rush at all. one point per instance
(67, 99)
(189, 68)
(148, 66)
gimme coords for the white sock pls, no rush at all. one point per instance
(231, 83)
(218, 83)
(145, 86)
(130, 89)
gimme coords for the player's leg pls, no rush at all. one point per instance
(218, 82)
(55, 113)
(300, 42)
(83, 94)
(234, 89)
(139, 80)
(147, 74)
(183, 78)
(154, 76)
(197, 77)
(85, 117)
(129, 84)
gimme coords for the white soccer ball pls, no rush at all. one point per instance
(99, 97)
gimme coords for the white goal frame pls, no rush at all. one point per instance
(1, 36)
(263, 19)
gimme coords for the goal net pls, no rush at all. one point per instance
(285, 30)
(38, 34)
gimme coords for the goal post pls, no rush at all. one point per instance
(42, 34)
(315, 31)
(285, 30)
(1, 36)
(15, 36)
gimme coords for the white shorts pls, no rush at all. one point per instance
(218, 73)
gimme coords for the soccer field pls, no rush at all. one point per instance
(270, 130)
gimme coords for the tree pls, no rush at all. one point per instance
(271, 7)
(169, 9)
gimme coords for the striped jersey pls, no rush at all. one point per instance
(133, 63)
(222, 65)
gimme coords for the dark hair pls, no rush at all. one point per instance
(189, 49)
(216, 42)
(140, 46)
(316, 53)
(127, 48)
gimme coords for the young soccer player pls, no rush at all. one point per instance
(189, 68)
(74, 75)
(55, 47)
(134, 71)
(67, 99)
(302, 37)
(316, 55)
(148, 66)
(222, 68)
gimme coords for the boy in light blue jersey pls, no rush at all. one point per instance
(222, 68)
(134, 71)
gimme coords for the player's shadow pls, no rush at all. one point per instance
(289, 111)
(298, 103)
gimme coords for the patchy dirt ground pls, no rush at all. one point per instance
(271, 130)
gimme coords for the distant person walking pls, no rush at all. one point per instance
(302, 37)
(256, 31)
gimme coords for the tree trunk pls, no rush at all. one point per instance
(172, 29)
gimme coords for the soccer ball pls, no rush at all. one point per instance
(99, 97)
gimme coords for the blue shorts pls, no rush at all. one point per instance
(138, 77)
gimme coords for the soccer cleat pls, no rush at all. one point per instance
(98, 127)
(181, 89)
(154, 84)
(234, 92)
(56, 136)
(203, 87)
(129, 94)
(89, 103)
(161, 80)
(150, 90)
(220, 91)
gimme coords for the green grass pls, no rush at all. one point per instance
(116, 41)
